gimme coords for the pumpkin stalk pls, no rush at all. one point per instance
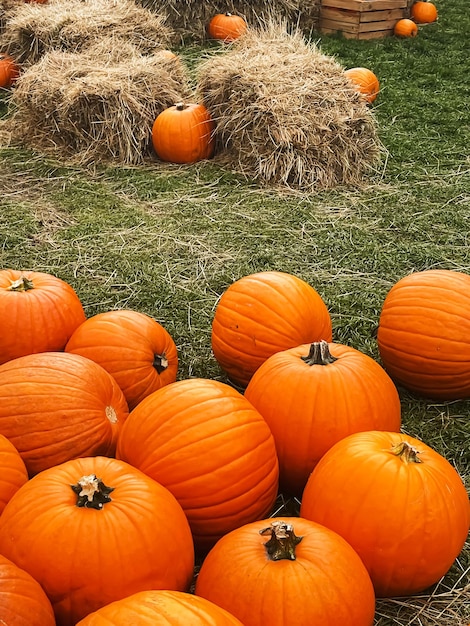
(406, 452)
(91, 492)
(21, 284)
(282, 542)
(319, 354)
(160, 362)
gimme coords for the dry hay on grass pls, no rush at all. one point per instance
(31, 30)
(286, 114)
(74, 108)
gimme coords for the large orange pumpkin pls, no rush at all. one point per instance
(133, 347)
(397, 502)
(9, 71)
(405, 28)
(13, 473)
(424, 333)
(314, 395)
(56, 406)
(161, 608)
(287, 571)
(365, 81)
(423, 12)
(39, 312)
(206, 443)
(95, 530)
(261, 314)
(227, 27)
(22, 599)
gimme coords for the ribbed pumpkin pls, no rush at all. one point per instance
(424, 333)
(226, 27)
(22, 599)
(39, 312)
(397, 502)
(161, 608)
(133, 347)
(312, 396)
(206, 443)
(261, 314)
(13, 473)
(95, 530)
(9, 71)
(56, 406)
(405, 28)
(287, 571)
(365, 80)
(423, 12)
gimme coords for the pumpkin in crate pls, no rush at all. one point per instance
(211, 448)
(39, 312)
(405, 28)
(95, 530)
(226, 27)
(9, 71)
(314, 395)
(424, 334)
(133, 347)
(261, 314)
(365, 81)
(287, 571)
(423, 12)
(13, 473)
(400, 504)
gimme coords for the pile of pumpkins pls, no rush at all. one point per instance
(421, 12)
(117, 479)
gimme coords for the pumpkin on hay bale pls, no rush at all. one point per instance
(287, 114)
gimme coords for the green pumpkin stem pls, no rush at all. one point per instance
(319, 354)
(91, 492)
(160, 362)
(282, 542)
(406, 452)
(21, 284)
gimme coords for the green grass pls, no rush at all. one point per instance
(168, 240)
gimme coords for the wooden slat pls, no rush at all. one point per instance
(365, 27)
(377, 34)
(378, 16)
(364, 5)
(351, 17)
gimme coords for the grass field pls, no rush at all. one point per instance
(167, 240)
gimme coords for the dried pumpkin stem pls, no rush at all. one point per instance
(21, 284)
(282, 542)
(406, 452)
(160, 362)
(91, 492)
(319, 354)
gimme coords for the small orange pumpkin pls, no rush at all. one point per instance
(405, 28)
(423, 12)
(227, 27)
(9, 71)
(365, 80)
(183, 133)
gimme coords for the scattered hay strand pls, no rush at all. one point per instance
(286, 114)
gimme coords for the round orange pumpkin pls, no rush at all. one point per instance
(9, 71)
(39, 312)
(206, 443)
(423, 12)
(405, 28)
(22, 599)
(13, 473)
(261, 314)
(183, 133)
(287, 571)
(227, 27)
(161, 608)
(133, 347)
(397, 502)
(56, 406)
(312, 396)
(424, 333)
(365, 81)
(95, 530)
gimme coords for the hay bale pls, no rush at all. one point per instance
(31, 30)
(287, 114)
(74, 108)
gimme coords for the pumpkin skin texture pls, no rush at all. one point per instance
(226, 27)
(182, 133)
(56, 406)
(405, 28)
(423, 12)
(39, 312)
(22, 599)
(9, 71)
(311, 401)
(13, 473)
(366, 82)
(133, 347)
(84, 558)
(322, 582)
(397, 502)
(264, 313)
(424, 334)
(161, 608)
(205, 443)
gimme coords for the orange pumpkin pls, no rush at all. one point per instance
(206, 444)
(227, 27)
(423, 12)
(22, 599)
(405, 28)
(312, 396)
(365, 81)
(39, 312)
(160, 608)
(95, 530)
(183, 133)
(397, 502)
(261, 314)
(13, 473)
(56, 406)
(424, 333)
(287, 571)
(9, 71)
(133, 347)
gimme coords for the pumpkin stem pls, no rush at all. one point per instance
(180, 106)
(406, 452)
(21, 284)
(92, 492)
(319, 354)
(282, 542)
(160, 362)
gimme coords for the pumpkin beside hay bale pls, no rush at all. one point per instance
(287, 114)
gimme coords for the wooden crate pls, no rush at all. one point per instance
(361, 19)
